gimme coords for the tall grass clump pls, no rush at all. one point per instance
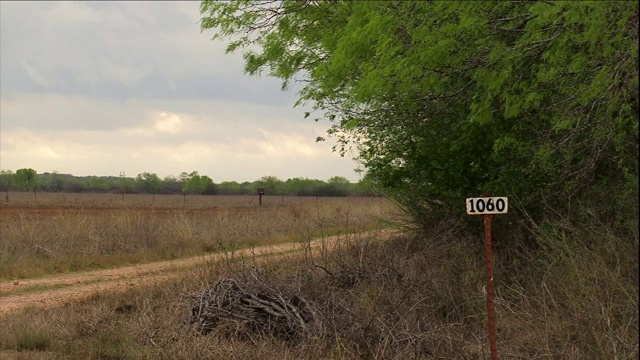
(582, 284)
(32, 339)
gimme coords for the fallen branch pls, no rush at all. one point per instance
(226, 305)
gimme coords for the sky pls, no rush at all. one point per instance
(97, 88)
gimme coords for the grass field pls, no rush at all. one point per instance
(573, 297)
(92, 231)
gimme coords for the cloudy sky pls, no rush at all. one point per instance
(96, 88)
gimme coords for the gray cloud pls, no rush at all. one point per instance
(87, 87)
(100, 50)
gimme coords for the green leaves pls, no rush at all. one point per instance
(25, 179)
(149, 181)
(194, 183)
(451, 99)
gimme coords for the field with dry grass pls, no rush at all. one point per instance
(410, 297)
(94, 231)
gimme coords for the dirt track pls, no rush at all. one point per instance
(57, 290)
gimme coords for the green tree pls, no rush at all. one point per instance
(446, 100)
(25, 179)
(271, 185)
(171, 185)
(338, 186)
(210, 187)
(55, 181)
(101, 184)
(127, 184)
(230, 188)
(302, 186)
(194, 183)
(191, 183)
(150, 182)
(6, 179)
(364, 188)
(339, 180)
(247, 188)
(48, 181)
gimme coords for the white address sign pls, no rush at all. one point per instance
(487, 205)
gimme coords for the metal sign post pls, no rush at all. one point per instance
(260, 193)
(487, 207)
(491, 312)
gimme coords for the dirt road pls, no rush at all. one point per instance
(57, 290)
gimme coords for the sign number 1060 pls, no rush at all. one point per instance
(487, 205)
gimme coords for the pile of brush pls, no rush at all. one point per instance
(231, 309)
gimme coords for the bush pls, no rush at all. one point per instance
(30, 339)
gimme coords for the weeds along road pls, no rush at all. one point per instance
(57, 290)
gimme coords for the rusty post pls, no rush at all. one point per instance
(490, 305)
(487, 209)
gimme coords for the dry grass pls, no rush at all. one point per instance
(52, 239)
(574, 297)
(402, 299)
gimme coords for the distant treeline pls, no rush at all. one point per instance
(185, 183)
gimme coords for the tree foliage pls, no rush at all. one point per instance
(186, 183)
(50, 181)
(6, 179)
(25, 179)
(271, 184)
(446, 100)
(150, 182)
(195, 183)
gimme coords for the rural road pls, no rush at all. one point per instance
(57, 290)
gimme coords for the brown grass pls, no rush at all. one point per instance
(574, 297)
(402, 299)
(45, 239)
